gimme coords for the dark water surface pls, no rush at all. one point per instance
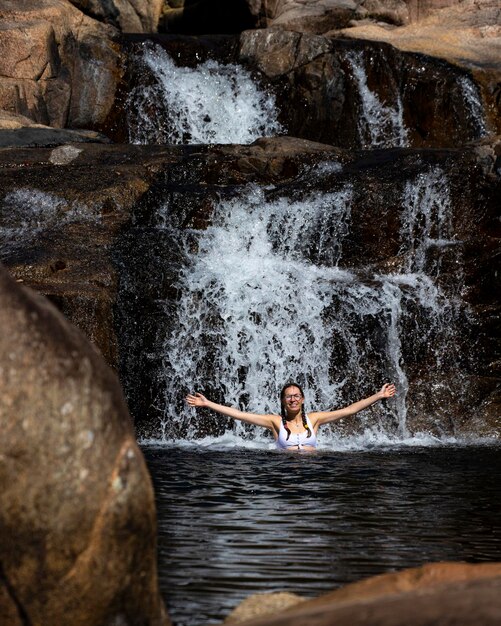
(236, 522)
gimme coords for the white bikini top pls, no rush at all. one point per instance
(296, 440)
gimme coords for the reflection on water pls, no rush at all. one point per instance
(236, 522)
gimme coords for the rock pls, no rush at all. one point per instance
(468, 599)
(65, 248)
(57, 66)
(76, 503)
(130, 16)
(466, 34)
(31, 135)
(425, 577)
(97, 250)
(396, 12)
(329, 90)
(433, 577)
(260, 604)
(310, 16)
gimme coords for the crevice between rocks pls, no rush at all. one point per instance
(23, 616)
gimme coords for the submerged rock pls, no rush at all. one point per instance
(77, 508)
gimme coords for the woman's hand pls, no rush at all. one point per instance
(196, 399)
(387, 391)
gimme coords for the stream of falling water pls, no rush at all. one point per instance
(212, 103)
(380, 125)
(263, 301)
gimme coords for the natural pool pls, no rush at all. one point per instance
(233, 522)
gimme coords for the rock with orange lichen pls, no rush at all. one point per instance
(77, 513)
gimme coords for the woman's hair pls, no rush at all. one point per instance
(283, 411)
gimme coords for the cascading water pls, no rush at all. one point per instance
(473, 100)
(212, 103)
(265, 295)
(380, 125)
(263, 300)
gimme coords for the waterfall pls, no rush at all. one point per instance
(380, 125)
(212, 103)
(263, 300)
(473, 100)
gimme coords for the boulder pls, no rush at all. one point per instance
(77, 508)
(439, 594)
(130, 16)
(425, 577)
(373, 598)
(311, 16)
(18, 130)
(58, 67)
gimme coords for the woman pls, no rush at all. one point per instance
(293, 429)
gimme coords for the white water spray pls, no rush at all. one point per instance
(473, 100)
(263, 302)
(212, 103)
(380, 125)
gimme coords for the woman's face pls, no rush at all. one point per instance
(293, 398)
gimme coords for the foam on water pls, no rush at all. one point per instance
(212, 103)
(369, 440)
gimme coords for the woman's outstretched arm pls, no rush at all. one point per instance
(324, 417)
(198, 400)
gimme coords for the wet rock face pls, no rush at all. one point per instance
(57, 230)
(106, 258)
(342, 92)
(466, 34)
(130, 16)
(332, 91)
(57, 66)
(76, 504)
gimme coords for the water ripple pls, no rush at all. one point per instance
(234, 523)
